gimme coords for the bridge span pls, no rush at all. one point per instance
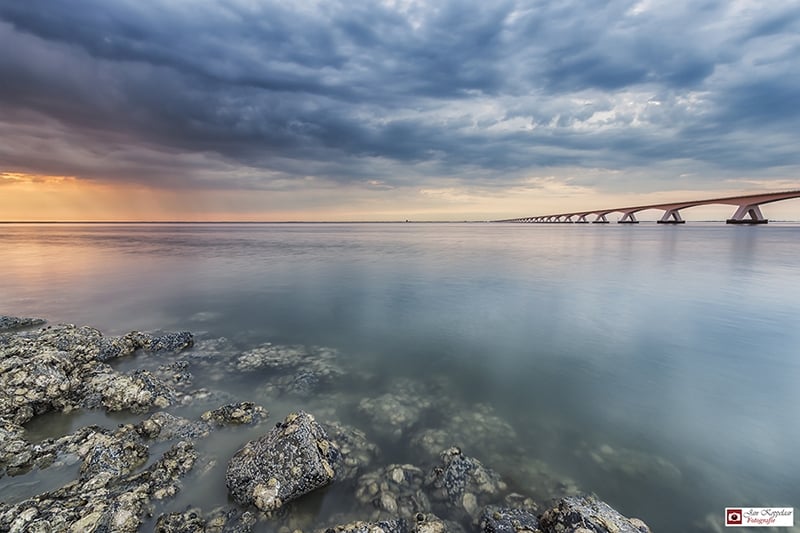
(748, 210)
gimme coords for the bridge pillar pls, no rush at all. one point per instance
(671, 216)
(628, 218)
(753, 210)
(582, 220)
(601, 219)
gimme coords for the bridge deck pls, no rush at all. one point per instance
(748, 205)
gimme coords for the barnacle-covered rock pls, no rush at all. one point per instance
(463, 484)
(293, 370)
(137, 392)
(357, 452)
(476, 428)
(235, 414)
(16, 322)
(394, 413)
(61, 368)
(117, 505)
(220, 520)
(293, 459)
(496, 519)
(577, 514)
(430, 523)
(396, 490)
(384, 526)
(163, 426)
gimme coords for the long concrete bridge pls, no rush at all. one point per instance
(748, 210)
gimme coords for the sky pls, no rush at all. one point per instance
(393, 109)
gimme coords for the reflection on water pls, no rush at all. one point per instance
(653, 365)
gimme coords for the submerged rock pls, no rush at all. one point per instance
(385, 526)
(294, 370)
(631, 463)
(580, 514)
(221, 520)
(189, 521)
(293, 459)
(357, 452)
(16, 322)
(393, 414)
(463, 484)
(540, 480)
(419, 523)
(475, 428)
(396, 490)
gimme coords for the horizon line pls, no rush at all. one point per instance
(408, 221)
(254, 222)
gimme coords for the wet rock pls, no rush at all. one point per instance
(582, 514)
(20, 456)
(117, 505)
(430, 523)
(463, 484)
(16, 322)
(164, 426)
(16, 454)
(495, 519)
(293, 459)
(221, 520)
(114, 347)
(60, 369)
(396, 490)
(385, 526)
(235, 414)
(190, 521)
(82, 343)
(230, 520)
(35, 382)
(169, 342)
(111, 456)
(138, 392)
(357, 452)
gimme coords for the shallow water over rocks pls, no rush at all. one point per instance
(135, 476)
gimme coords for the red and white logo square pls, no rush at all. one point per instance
(733, 516)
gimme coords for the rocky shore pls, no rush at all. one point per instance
(119, 479)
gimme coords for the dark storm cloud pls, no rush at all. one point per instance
(250, 94)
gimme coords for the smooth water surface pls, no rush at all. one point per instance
(655, 366)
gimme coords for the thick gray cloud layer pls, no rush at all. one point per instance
(258, 94)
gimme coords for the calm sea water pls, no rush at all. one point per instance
(655, 366)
